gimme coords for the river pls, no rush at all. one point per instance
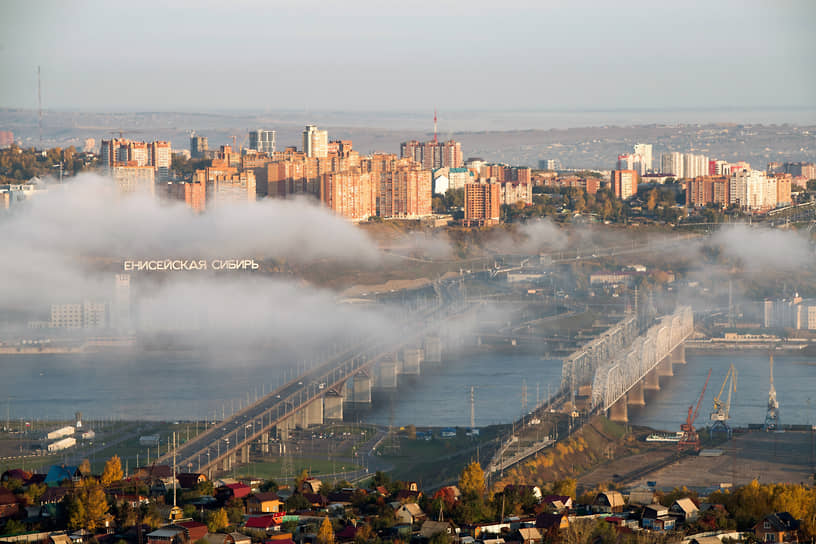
(189, 386)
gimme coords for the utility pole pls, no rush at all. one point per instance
(472, 410)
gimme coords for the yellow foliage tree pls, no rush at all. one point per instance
(218, 521)
(113, 471)
(471, 481)
(325, 535)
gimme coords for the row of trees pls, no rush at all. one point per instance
(18, 165)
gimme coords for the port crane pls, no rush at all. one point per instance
(690, 438)
(722, 411)
(772, 414)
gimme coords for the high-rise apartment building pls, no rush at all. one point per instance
(121, 315)
(672, 163)
(411, 150)
(351, 194)
(694, 165)
(160, 157)
(624, 183)
(752, 190)
(707, 190)
(482, 204)
(644, 153)
(262, 141)
(135, 179)
(432, 155)
(192, 193)
(452, 154)
(405, 192)
(315, 142)
(549, 164)
(198, 146)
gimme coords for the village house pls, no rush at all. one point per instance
(608, 502)
(410, 513)
(656, 518)
(263, 503)
(557, 503)
(778, 527)
(684, 509)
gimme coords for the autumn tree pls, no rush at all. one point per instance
(472, 480)
(325, 535)
(218, 521)
(96, 506)
(113, 471)
(85, 468)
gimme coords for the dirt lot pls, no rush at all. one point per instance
(766, 457)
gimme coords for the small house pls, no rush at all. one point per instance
(410, 513)
(430, 529)
(264, 503)
(778, 527)
(608, 502)
(684, 509)
(263, 523)
(656, 518)
(557, 503)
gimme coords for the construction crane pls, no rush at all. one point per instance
(722, 412)
(690, 438)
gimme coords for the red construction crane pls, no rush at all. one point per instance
(690, 438)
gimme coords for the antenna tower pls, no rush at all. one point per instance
(435, 137)
(39, 104)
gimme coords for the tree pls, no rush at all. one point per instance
(304, 475)
(651, 204)
(85, 468)
(218, 521)
(75, 508)
(326, 533)
(471, 481)
(113, 471)
(14, 527)
(96, 506)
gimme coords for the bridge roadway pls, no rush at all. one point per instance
(236, 433)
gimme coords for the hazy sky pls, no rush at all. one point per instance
(409, 56)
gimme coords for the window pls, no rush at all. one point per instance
(770, 537)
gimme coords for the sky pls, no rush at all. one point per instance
(385, 56)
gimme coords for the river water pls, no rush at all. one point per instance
(188, 386)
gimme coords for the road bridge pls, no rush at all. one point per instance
(319, 394)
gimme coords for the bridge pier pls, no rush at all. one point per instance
(651, 381)
(245, 455)
(664, 367)
(284, 426)
(265, 443)
(635, 395)
(360, 388)
(311, 414)
(332, 406)
(432, 346)
(387, 375)
(411, 359)
(678, 355)
(619, 411)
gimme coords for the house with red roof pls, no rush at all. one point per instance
(233, 491)
(263, 523)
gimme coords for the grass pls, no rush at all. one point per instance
(271, 468)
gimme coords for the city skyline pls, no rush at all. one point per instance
(591, 56)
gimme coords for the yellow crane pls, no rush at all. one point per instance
(722, 411)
